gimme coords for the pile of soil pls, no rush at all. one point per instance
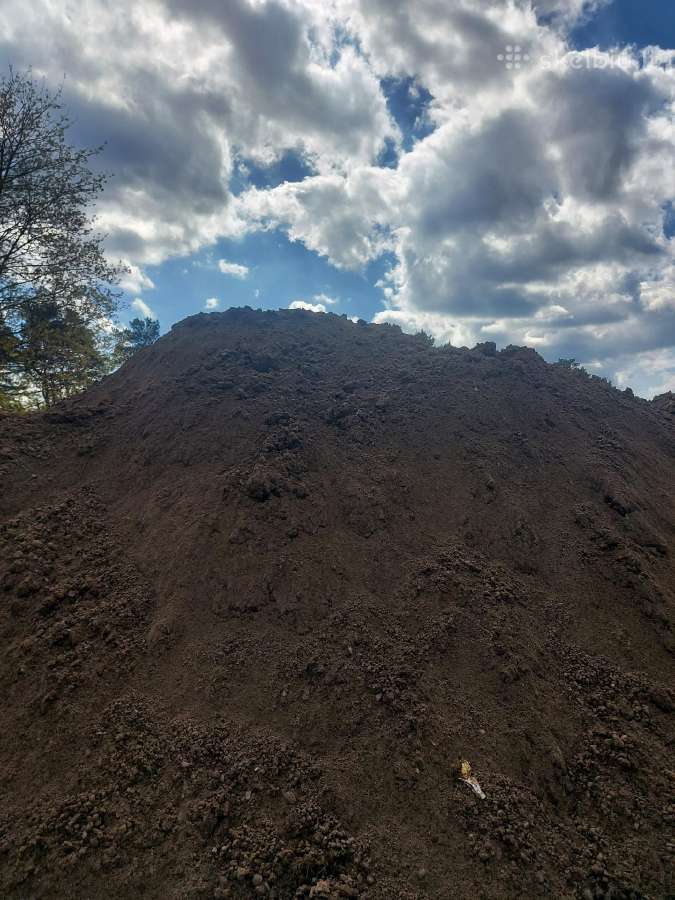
(262, 589)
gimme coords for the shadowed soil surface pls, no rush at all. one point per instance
(261, 589)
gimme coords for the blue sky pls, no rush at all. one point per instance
(640, 22)
(279, 272)
(501, 171)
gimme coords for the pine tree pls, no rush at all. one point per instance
(55, 354)
(140, 333)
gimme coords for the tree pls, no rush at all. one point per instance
(8, 345)
(55, 354)
(425, 339)
(49, 251)
(140, 333)
(571, 364)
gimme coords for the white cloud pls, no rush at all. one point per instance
(659, 295)
(312, 307)
(176, 86)
(234, 269)
(212, 303)
(142, 307)
(342, 217)
(135, 280)
(439, 326)
(565, 11)
(532, 212)
(320, 304)
(649, 373)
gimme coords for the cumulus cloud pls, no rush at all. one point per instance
(325, 299)
(562, 12)
(312, 307)
(531, 211)
(320, 305)
(597, 122)
(284, 79)
(212, 303)
(179, 89)
(135, 280)
(656, 369)
(142, 307)
(234, 269)
(582, 230)
(342, 217)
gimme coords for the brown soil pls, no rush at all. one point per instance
(263, 588)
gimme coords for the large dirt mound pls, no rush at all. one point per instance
(262, 589)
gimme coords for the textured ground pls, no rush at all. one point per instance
(262, 588)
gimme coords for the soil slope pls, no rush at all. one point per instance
(261, 589)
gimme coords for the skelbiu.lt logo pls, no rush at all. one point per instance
(513, 57)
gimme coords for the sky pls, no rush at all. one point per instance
(479, 169)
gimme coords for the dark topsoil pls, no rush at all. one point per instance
(262, 588)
